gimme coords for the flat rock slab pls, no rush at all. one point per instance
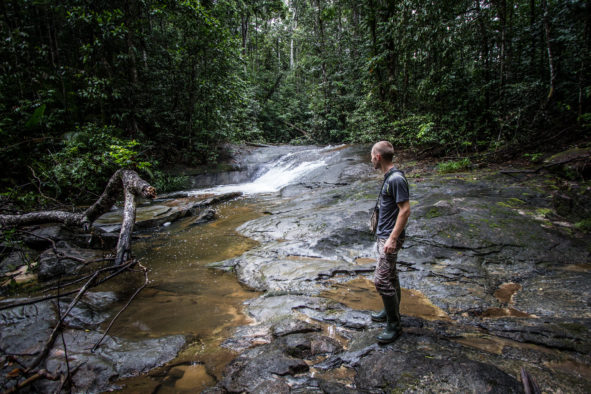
(466, 237)
(67, 261)
(115, 358)
(390, 370)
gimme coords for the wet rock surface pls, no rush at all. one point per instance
(64, 260)
(511, 285)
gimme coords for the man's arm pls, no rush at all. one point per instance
(401, 220)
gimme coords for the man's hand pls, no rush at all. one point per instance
(390, 246)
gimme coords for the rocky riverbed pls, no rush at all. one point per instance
(494, 281)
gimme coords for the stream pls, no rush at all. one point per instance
(273, 292)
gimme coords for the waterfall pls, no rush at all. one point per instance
(274, 176)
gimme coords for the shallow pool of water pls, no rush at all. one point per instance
(186, 297)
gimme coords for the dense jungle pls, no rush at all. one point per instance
(91, 86)
(185, 190)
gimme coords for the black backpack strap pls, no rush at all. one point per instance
(380, 193)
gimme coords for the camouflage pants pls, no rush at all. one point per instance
(386, 275)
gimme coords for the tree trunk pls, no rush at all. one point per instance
(503, 17)
(244, 32)
(532, 21)
(549, 50)
(133, 73)
(293, 26)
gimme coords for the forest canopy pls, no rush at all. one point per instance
(87, 87)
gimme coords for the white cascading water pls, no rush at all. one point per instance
(283, 172)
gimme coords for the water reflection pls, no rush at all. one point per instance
(360, 294)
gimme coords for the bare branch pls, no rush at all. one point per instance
(121, 179)
(124, 308)
(68, 376)
(118, 269)
(58, 326)
(42, 373)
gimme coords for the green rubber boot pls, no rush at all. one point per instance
(393, 328)
(379, 316)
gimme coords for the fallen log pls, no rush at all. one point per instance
(127, 181)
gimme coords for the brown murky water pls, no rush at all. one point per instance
(505, 312)
(186, 297)
(360, 293)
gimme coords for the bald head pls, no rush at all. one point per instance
(384, 149)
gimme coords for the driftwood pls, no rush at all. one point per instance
(530, 386)
(122, 180)
(41, 374)
(131, 185)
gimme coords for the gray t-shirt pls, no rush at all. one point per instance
(394, 191)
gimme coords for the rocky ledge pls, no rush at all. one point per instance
(495, 281)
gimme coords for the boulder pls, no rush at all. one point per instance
(259, 366)
(52, 266)
(574, 163)
(392, 370)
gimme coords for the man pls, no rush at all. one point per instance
(393, 215)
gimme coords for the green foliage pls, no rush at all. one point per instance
(124, 156)
(23, 199)
(584, 225)
(86, 161)
(454, 166)
(37, 116)
(417, 130)
(534, 157)
(585, 120)
(167, 183)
